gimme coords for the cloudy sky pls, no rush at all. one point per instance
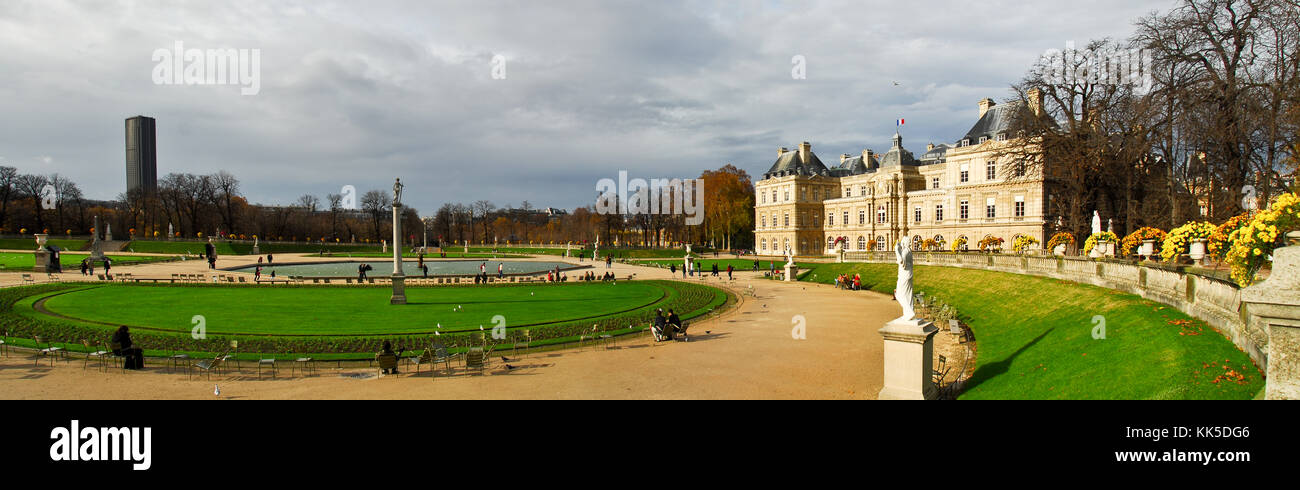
(357, 93)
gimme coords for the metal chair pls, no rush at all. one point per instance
(387, 362)
(49, 351)
(208, 365)
(307, 365)
(263, 361)
(91, 353)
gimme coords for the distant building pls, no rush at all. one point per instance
(141, 155)
(872, 200)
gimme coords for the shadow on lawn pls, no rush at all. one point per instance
(989, 371)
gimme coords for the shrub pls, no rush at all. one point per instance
(1091, 242)
(1219, 244)
(1134, 239)
(1022, 243)
(991, 242)
(958, 244)
(1179, 238)
(1060, 238)
(1253, 244)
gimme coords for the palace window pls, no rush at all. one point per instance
(983, 139)
(965, 172)
(1020, 169)
(880, 242)
(990, 209)
(763, 221)
(1020, 206)
(830, 219)
(787, 219)
(992, 170)
(848, 192)
(934, 183)
(830, 243)
(1002, 137)
(762, 244)
(963, 211)
(773, 195)
(917, 213)
(938, 213)
(862, 242)
(787, 196)
(881, 214)
(846, 218)
(862, 217)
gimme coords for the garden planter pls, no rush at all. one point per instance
(41, 239)
(1196, 250)
(1059, 249)
(1148, 248)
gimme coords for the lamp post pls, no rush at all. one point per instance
(399, 278)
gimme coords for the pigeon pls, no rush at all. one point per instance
(706, 332)
(439, 325)
(503, 359)
(509, 367)
(216, 390)
(480, 327)
(436, 334)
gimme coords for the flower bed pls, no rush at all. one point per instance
(1179, 239)
(1137, 237)
(1253, 244)
(1091, 242)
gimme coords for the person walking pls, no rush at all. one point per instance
(729, 269)
(257, 273)
(270, 259)
(501, 270)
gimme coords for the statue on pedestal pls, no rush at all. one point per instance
(1096, 222)
(903, 289)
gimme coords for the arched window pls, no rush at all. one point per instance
(916, 242)
(964, 246)
(830, 242)
(880, 242)
(862, 242)
(939, 239)
(803, 244)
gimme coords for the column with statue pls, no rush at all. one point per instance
(399, 278)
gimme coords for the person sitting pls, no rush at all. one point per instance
(134, 356)
(660, 327)
(388, 351)
(675, 323)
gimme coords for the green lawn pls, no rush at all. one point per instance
(348, 311)
(705, 263)
(229, 248)
(71, 261)
(1035, 338)
(30, 244)
(341, 321)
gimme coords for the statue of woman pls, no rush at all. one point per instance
(903, 290)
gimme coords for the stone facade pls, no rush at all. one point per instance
(871, 200)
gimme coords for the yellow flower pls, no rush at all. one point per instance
(1257, 252)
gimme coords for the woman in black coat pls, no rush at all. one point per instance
(134, 356)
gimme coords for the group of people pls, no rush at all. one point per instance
(714, 272)
(667, 327)
(843, 281)
(88, 266)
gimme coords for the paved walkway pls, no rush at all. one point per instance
(748, 352)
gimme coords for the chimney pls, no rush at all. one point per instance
(985, 105)
(869, 158)
(843, 157)
(805, 152)
(1035, 96)
(781, 151)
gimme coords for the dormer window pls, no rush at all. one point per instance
(965, 142)
(1002, 137)
(983, 139)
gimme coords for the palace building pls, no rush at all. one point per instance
(872, 199)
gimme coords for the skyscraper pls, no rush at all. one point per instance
(141, 155)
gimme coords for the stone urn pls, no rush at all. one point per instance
(1059, 249)
(41, 238)
(1196, 250)
(1148, 248)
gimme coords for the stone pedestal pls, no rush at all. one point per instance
(909, 347)
(42, 258)
(790, 271)
(399, 291)
(1275, 303)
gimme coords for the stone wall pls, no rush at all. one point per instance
(1216, 302)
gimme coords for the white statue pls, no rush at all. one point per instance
(1110, 225)
(903, 290)
(1096, 222)
(789, 257)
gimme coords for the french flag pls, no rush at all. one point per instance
(900, 122)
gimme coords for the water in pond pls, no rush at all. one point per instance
(409, 267)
